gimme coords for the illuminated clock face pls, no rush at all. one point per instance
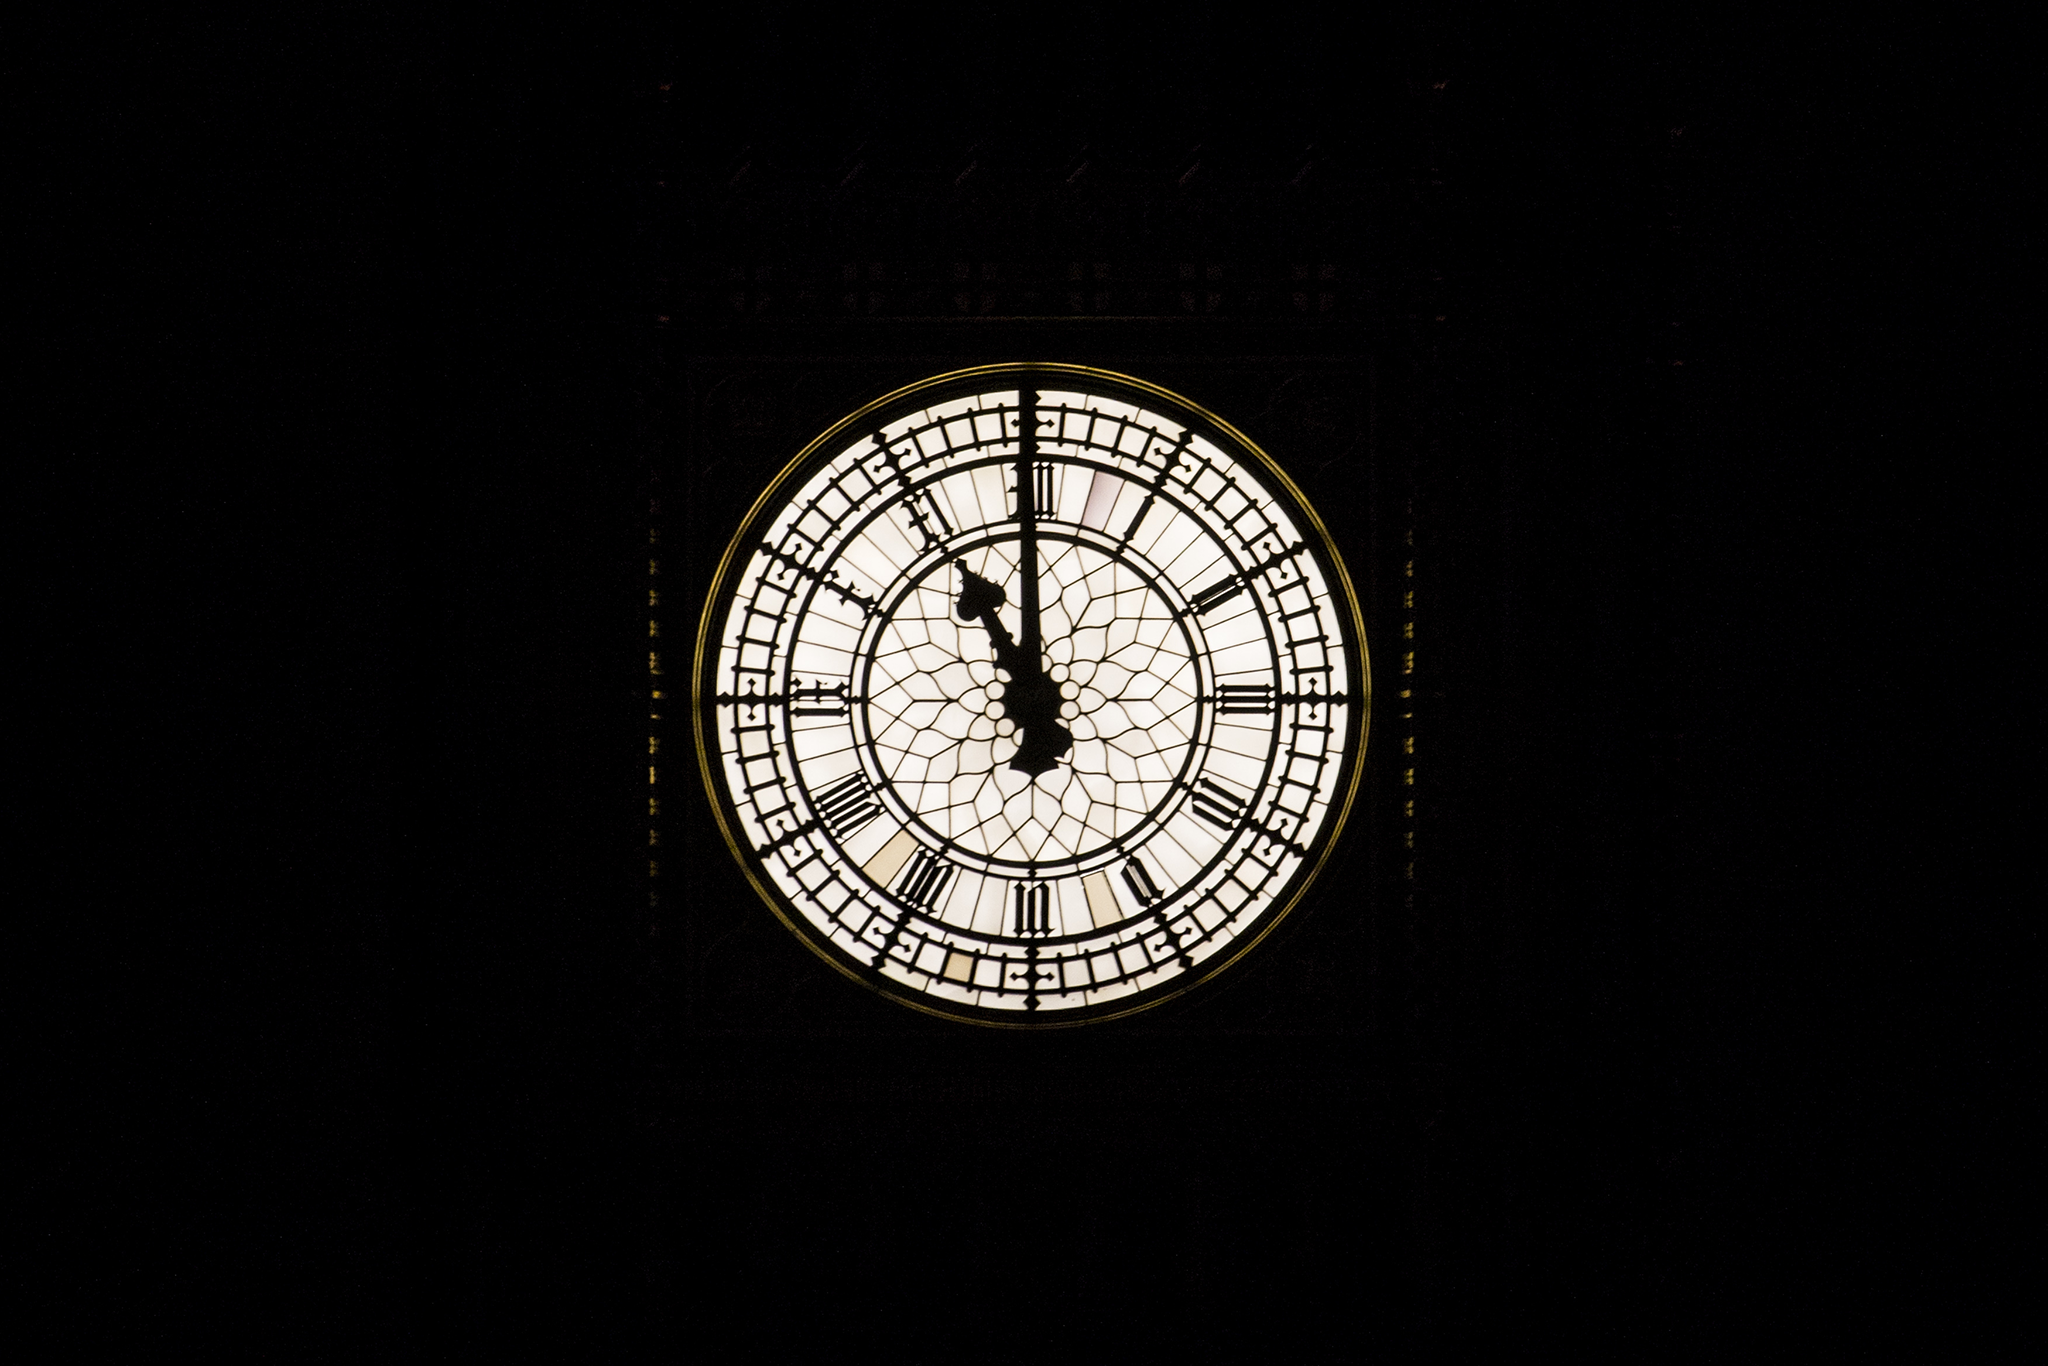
(1031, 695)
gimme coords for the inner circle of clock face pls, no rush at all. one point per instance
(1123, 662)
(1031, 695)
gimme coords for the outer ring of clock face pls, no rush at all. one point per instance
(1031, 695)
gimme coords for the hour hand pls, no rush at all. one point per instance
(978, 601)
(1030, 699)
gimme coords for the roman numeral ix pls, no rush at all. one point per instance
(821, 700)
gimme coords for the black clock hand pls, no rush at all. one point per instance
(1030, 699)
(1027, 517)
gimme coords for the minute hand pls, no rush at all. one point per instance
(1031, 641)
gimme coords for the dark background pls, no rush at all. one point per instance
(1650, 1069)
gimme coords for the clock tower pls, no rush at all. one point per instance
(1042, 634)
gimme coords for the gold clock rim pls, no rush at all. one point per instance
(1215, 967)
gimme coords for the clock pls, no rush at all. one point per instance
(1031, 695)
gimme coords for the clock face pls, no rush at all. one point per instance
(1031, 695)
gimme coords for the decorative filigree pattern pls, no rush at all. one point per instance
(1125, 666)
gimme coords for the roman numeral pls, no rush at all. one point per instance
(924, 509)
(1034, 909)
(847, 805)
(1251, 699)
(1138, 516)
(823, 701)
(925, 879)
(1140, 881)
(1218, 805)
(1041, 479)
(1172, 459)
(819, 699)
(1216, 594)
(829, 580)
